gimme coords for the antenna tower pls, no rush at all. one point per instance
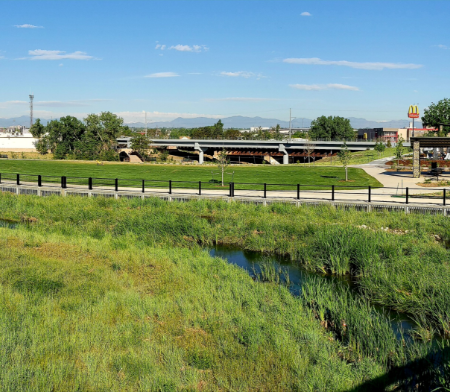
(31, 110)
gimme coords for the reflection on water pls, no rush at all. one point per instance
(7, 224)
(251, 262)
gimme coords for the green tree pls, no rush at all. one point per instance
(232, 134)
(344, 157)
(399, 150)
(222, 162)
(331, 128)
(140, 143)
(437, 114)
(277, 134)
(99, 140)
(60, 136)
(379, 147)
(37, 129)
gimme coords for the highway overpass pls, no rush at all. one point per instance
(283, 150)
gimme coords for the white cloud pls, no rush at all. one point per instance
(130, 117)
(28, 26)
(40, 54)
(369, 66)
(238, 99)
(187, 48)
(242, 74)
(305, 14)
(162, 75)
(442, 46)
(159, 46)
(318, 87)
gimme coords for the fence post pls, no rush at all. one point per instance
(170, 187)
(407, 195)
(143, 186)
(0, 178)
(39, 180)
(199, 188)
(90, 183)
(298, 191)
(63, 182)
(370, 194)
(231, 187)
(265, 190)
(332, 192)
(443, 200)
(116, 184)
(18, 179)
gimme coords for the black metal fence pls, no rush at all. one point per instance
(299, 191)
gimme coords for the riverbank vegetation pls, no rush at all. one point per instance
(118, 294)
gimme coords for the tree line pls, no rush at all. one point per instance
(70, 138)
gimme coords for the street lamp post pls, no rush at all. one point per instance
(290, 122)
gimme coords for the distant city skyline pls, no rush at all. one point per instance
(367, 59)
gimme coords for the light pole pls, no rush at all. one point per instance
(145, 116)
(290, 122)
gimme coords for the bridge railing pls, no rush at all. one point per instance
(320, 192)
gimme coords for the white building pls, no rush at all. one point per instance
(17, 143)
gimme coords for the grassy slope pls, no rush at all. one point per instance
(409, 271)
(98, 313)
(259, 174)
(113, 274)
(358, 157)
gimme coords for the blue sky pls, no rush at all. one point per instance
(369, 59)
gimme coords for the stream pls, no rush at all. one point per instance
(251, 261)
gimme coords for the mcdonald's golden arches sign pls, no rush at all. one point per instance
(413, 111)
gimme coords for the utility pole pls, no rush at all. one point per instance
(290, 117)
(290, 124)
(145, 114)
(31, 109)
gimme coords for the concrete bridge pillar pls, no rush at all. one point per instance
(282, 149)
(201, 152)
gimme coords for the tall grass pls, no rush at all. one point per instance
(152, 246)
(81, 313)
(404, 268)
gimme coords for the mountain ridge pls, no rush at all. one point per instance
(233, 122)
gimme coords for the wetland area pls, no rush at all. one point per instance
(149, 295)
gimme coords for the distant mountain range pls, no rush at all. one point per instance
(247, 122)
(233, 122)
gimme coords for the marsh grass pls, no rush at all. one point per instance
(83, 313)
(133, 270)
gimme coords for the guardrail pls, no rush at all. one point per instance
(368, 194)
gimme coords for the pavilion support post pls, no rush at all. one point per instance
(416, 159)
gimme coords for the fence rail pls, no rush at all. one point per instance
(368, 194)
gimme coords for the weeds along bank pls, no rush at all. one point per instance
(101, 294)
(101, 312)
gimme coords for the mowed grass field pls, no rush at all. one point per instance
(289, 174)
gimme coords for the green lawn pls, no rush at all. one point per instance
(359, 157)
(291, 174)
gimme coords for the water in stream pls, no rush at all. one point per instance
(7, 224)
(251, 262)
